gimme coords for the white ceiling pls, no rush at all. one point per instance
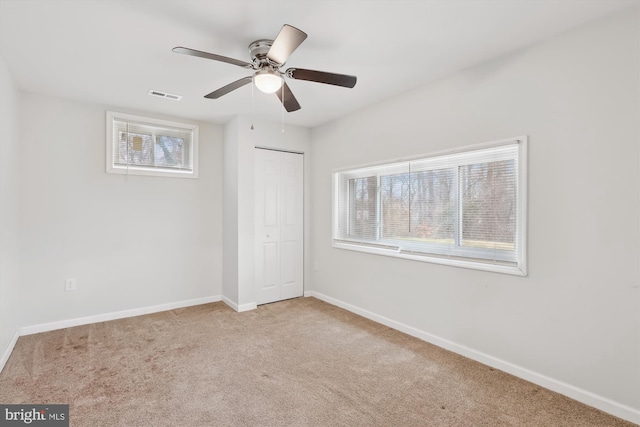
(114, 52)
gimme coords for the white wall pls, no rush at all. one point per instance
(576, 317)
(9, 196)
(230, 214)
(239, 249)
(130, 242)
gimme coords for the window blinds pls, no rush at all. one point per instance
(145, 145)
(462, 205)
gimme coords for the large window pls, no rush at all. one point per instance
(465, 208)
(145, 146)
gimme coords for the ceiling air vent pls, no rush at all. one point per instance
(165, 95)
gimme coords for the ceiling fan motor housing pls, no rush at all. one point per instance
(258, 51)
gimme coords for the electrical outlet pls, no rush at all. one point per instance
(70, 284)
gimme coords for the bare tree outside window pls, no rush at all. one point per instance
(135, 148)
(488, 200)
(395, 193)
(362, 205)
(168, 151)
(433, 206)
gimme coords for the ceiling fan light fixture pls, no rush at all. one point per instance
(268, 81)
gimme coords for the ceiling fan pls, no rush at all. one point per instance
(267, 57)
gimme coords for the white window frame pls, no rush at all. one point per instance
(461, 257)
(131, 169)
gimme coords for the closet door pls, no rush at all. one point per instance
(278, 225)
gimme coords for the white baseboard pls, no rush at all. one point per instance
(45, 327)
(239, 308)
(247, 307)
(230, 303)
(9, 350)
(583, 396)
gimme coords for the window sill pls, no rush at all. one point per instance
(133, 170)
(516, 270)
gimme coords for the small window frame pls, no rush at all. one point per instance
(159, 125)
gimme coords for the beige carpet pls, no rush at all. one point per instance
(300, 362)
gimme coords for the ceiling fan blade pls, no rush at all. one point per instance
(290, 102)
(228, 88)
(322, 77)
(287, 40)
(207, 55)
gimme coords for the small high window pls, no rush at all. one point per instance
(145, 146)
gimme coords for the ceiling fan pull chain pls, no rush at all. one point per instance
(252, 103)
(282, 109)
